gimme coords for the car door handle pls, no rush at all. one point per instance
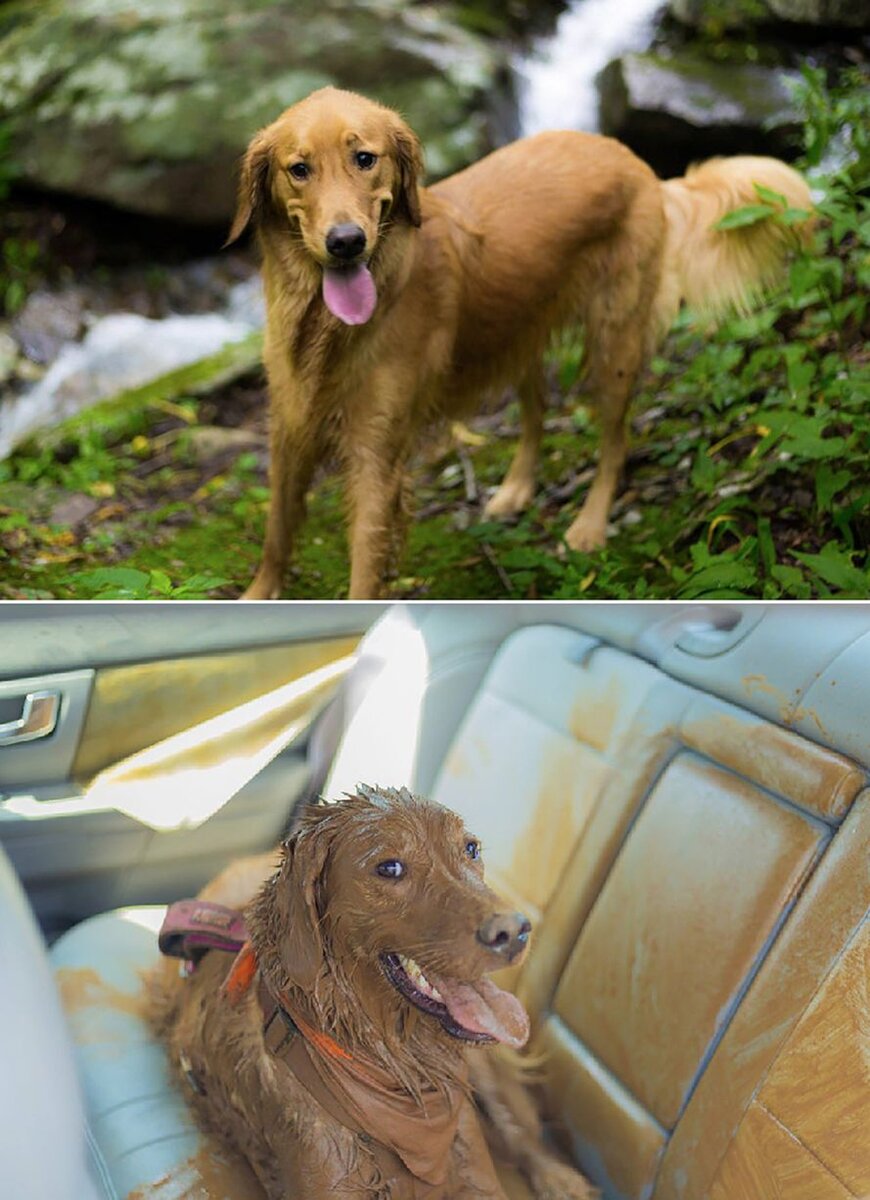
(38, 719)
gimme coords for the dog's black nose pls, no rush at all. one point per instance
(345, 241)
(505, 933)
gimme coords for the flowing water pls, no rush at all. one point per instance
(124, 350)
(556, 78)
(556, 89)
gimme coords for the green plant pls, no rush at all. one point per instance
(127, 583)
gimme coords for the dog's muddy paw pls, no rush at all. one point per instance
(511, 498)
(558, 1181)
(262, 589)
(585, 536)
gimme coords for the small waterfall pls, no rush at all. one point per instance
(556, 78)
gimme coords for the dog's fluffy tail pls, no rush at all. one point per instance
(716, 271)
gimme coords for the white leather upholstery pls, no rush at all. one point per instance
(42, 1151)
(416, 673)
(666, 843)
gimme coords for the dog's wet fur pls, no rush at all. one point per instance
(321, 921)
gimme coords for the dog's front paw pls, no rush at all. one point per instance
(586, 533)
(552, 1180)
(514, 496)
(264, 587)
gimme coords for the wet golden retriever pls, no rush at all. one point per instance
(390, 306)
(375, 932)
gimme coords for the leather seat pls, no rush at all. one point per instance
(43, 1155)
(699, 881)
(139, 1124)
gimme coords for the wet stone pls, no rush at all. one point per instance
(46, 322)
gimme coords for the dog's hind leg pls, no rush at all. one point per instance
(518, 487)
(616, 355)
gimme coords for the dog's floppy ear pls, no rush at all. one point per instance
(408, 156)
(253, 178)
(297, 887)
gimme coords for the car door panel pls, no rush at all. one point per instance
(76, 856)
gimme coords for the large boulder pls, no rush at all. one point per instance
(851, 14)
(147, 104)
(675, 110)
(718, 15)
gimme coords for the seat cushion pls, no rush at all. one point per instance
(144, 1142)
(142, 1134)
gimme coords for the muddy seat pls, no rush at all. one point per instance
(698, 878)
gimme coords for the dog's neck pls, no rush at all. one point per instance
(366, 1017)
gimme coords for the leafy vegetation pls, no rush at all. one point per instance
(749, 474)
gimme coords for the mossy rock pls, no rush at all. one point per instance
(715, 16)
(149, 106)
(673, 110)
(847, 14)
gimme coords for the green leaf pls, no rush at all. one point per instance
(114, 582)
(724, 575)
(835, 567)
(792, 581)
(161, 583)
(199, 584)
(766, 546)
(828, 484)
(793, 216)
(800, 375)
(739, 218)
(705, 472)
(770, 196)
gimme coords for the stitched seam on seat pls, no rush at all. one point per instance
(96, 1156)
(167, 1137)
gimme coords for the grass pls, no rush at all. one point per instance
(749, 474)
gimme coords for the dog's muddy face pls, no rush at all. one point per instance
(337, 170)
(391, 892)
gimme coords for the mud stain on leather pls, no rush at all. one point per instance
(594, 714)
(468, 756)
(790, 711)
(210, 1174)
(564, 800)
(809, 775)
(82, 990)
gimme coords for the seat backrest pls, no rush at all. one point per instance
(42, 1130)
(697, 879)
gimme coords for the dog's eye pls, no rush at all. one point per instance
(391, 869)
(299, 170)
(472, 848)
(365, 160)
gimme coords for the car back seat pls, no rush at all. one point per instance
(699, 877)
(699, 881)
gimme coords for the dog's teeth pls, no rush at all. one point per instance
(436, 995)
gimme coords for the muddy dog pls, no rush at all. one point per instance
(338, 1053)
(391, 306)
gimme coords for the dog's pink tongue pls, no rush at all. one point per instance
(350, 293)
(482, 1007)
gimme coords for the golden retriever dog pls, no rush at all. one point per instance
(391, 306)
(338, 1058)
